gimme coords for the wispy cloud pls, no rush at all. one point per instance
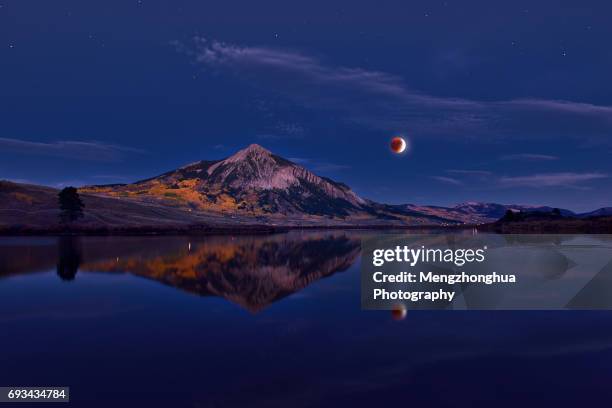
(469, 172)
(551, 180)
(77, 150)
(448, 180)
(219, 54)
(384, 101)
(541, 180)
(529, 156)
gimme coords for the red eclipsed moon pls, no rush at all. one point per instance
(398, 145)
(398, 312)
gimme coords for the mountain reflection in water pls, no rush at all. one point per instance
(252, 271)
(76, 312)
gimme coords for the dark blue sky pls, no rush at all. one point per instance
(501, 101)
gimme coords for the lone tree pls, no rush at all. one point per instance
(556, 212)
(69, 258)
(70, 205)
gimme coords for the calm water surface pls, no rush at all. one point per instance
(269, 321)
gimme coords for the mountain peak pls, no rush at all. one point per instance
(256, 148)
(256, 168)
(252, 159)
(252, 150)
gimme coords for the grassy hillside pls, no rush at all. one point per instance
(32, 206)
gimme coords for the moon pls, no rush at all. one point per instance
(398, 312)
(398, 145)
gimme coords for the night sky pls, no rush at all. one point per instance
(508, 102)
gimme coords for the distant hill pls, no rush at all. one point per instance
(26, 205)
(476, 213)
(602, 212)
(556, 222)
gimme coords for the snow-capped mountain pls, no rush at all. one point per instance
(252, 182)
(256, 182)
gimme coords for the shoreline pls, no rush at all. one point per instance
(601, 225)
(209, 230)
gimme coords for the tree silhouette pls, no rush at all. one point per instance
(70, 205)
(556, 212)
(68, 258)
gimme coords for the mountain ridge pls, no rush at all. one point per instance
(253, 181)
(252, 186)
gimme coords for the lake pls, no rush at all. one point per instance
(269, 321)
